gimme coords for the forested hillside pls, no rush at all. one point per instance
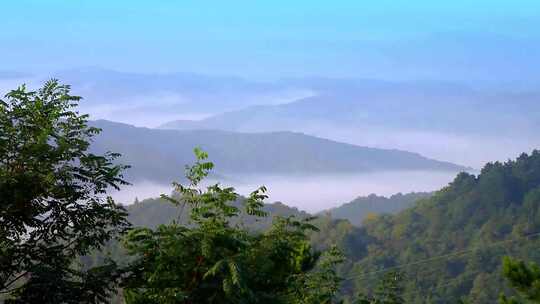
(270, 152)
(156, 211)
(358, 209)
(64, 241)
(151, 212)
(449, 246)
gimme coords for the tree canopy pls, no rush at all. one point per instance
(54, 206)
(207, 259)
(525, 279)
(214, 246)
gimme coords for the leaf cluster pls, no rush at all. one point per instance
(211, 260)
(53, 206)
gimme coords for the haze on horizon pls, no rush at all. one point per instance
(312, 194)
(149, 63)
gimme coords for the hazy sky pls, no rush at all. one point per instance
(391, 39)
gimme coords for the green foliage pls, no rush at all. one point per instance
(321, 284)
(209, 245)
(153, 212)
(388, 291)
(366, 207)
(207, 259)
(449, 245)
(53, 204)
(525, 279)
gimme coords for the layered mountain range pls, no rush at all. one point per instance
(161, 155)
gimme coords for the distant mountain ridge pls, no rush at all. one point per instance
(406, 109)
(461, 126)
(160, 155)
(462, 122)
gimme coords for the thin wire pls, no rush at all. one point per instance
(440, 257)
(446, 284)
(465, 277)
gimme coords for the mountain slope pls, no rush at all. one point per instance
(450, 245)
(454, 124)
(161, 155)
(393, 107)
(153, 212)
(357, 210)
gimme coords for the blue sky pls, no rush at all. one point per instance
(439, 40)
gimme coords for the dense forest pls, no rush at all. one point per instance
(152, 212)
(361, 207)
(449, 247)
(63, 240)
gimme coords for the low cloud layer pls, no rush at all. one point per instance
(311, 193)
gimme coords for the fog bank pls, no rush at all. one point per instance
(311, 193)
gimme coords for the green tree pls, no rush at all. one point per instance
(388, 291)
(320, 285)
(209, 260)
(523, 278)
(53, 206)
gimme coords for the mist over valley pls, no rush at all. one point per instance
(270, 152)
